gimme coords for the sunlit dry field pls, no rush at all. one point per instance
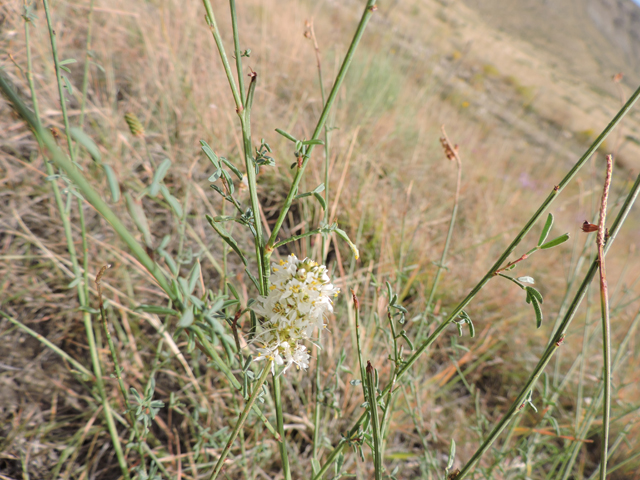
(520, 125)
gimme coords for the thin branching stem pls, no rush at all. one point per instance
(606, 327)
(368, 11)
(257, 387)
(514, 243)
(557, 336)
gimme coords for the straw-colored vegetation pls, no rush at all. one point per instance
(520, 125)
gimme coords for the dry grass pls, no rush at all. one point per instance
(158, 61)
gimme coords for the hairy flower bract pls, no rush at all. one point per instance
(299, 299)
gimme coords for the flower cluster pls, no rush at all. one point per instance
(299, 297)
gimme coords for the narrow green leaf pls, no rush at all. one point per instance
(187, 318)
(319, 188)
(286, 135)
(194, 276)
(164, 242)
(67, 85)
(342, 234)
(227, 238)
(555, 242)
(233, 291)
(74, 282)
(112, 181)
(219, 303)
(232, 167)
(172, 201)
(316, 141)
(535, 293)
(158, 176)
(67, 61)
(156, 309)
(139, 218)
(452, 454)
(92, 311)
(472, 329)
(86, 141)
(211, 155)
(322, 203)
(253, 279)
(545, 230)
(538, 311)
(171, 263)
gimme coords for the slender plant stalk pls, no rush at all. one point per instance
(582, 430)
(323, 257)
(78, 366)
(450, 151)
(277, 398)
(558, 336)
(606, 327)
(87, 63)
(211, 352)
(368, 11)
(375, 422)
(236, 47)
(243, 417)
(514, 243)
(243, 108)
(83, 292)
(117, 370)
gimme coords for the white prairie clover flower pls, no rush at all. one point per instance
(298, 300)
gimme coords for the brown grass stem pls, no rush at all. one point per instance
(606, 327)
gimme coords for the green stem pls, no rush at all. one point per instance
(277, 397)
(213, 354)
(83, 291)
(298, 237)
(323, 256)
(375, 422)
(245, 120)
(243, 417)
(447, 241)
(211, 21)
(236, 46)
(368, 11)
(78, 366)
(85, 77)
(116, 367)
(558, 334)
(330, 459)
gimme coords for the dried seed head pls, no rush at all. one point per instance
(449, 151)
(135, 126)
(56, 133)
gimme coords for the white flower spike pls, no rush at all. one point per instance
(299, 299)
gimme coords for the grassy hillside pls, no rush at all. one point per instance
(522, 109)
